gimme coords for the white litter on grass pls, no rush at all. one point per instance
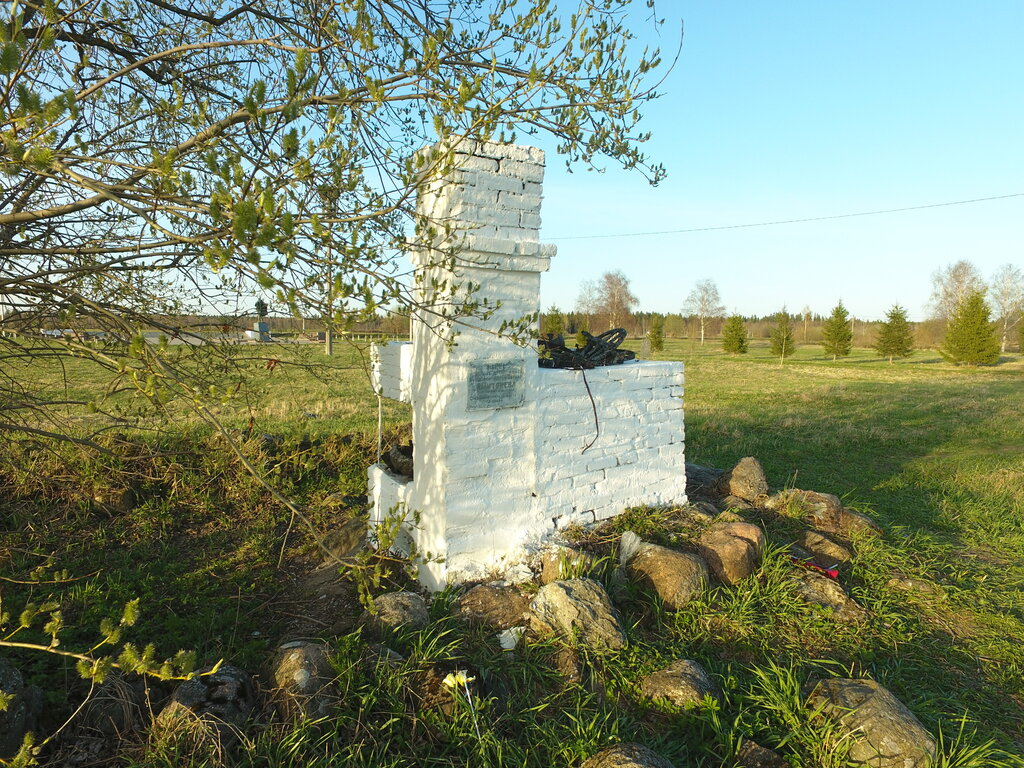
(629, 545)
(509, 638)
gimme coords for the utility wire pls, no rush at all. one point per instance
(791, 221)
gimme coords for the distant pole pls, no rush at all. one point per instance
(329, 333)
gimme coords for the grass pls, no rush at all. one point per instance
(933, 452)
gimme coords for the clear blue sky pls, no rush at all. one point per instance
(808, 108)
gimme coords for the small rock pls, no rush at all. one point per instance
(565, 563)
(345, 540)
(729, 516)
(577, 609)
(397, 609)
(824, 551)
(822, 510)
(815, 589)
(730, 503)
(701, 512)
(120, 705)
(377, 654)
(853, 523)
(702, 481)
(746, 481)
(499, 607)
(213, 707)
(568, 664)
(921, 586)
(517, 573)
(884, 732)
(115, 501)
(305, 681)
(399, 460)
(753, 755)
(676, 577)
(683, 683)
(427, 689)
(732, 550)
(627, 755)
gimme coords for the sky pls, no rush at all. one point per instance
(804, 109)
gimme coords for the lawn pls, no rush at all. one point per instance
(933, 452)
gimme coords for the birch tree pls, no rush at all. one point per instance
(164, 158)
(951, 286)
(705, 303)
(1007, 298)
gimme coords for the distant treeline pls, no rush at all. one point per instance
(806, 328)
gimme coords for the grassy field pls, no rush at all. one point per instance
(933, 452)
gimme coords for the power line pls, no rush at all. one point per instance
(791, 221)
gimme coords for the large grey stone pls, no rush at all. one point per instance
(885, 734)
(577, 609)
(815, 589)
(683, 683)
(305, 683)
(746, 481)
(627, 755)
(120, 705)
(398, 609)
(732, 550)
(676, 577)
(210, 707)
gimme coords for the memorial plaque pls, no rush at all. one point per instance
(495, 385)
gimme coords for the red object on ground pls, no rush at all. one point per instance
(832, 573)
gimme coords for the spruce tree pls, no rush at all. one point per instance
(734, 336)
(895, 337)
(970, 335)
(836, 333)
(554, 321)
(782, 336)
(656, 333)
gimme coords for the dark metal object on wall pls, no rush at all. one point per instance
(602, 349)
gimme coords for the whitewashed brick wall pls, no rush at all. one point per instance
(492, 486)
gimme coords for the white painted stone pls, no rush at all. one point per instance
(519, 202)
(528, 220)
(527, 171)
(391, 370)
